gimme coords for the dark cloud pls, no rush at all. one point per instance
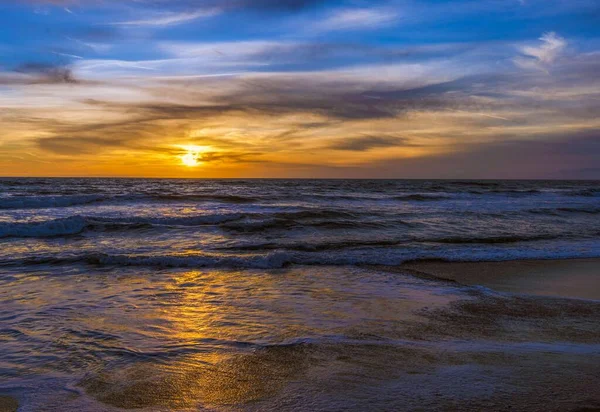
(360, 144)
(47, 73)
(77, 145)
(331, 98)
(548, 157)
(256, 101)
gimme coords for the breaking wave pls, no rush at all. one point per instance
(58, 227)
(242, 222)
(281, 258)
(77, 224)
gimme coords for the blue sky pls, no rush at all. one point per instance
(301, 88)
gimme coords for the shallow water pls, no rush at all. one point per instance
(303, 338)
(263, 295)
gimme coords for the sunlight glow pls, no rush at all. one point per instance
(193, 155)
(190, 159)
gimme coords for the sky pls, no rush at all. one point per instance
(477, 89)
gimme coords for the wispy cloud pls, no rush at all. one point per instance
(169, 18)
(541, 57)
(357, 19)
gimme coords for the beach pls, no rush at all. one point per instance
(575, 278)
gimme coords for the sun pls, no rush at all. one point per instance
(190, 159)
(193, 155)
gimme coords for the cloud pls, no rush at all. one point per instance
(169, 18)
(241, 51)
(46, 73)
(270, 5)
(360, 144)
(356, 19)
(572, 156)
(544, 55)
(257, 5)
(254, 5)
(296, 56)
(77, 145)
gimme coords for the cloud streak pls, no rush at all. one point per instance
(169, 18)
(356, 19)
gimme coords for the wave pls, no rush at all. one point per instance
(263, 222)
(278, 259)
(66, 200)
(414, 197)
(320, 214)
(561, 210)
(206, 198)
(420, 197)
(257, 261)
(358, 243)
(317, 218)
(473, 183)
(57, 227)
(587, 210)
(74, 225)
(240, 222)
(318, 247)
(584, 193)
(482, 191)
(43, 202)
(496, 239)
(195, 220)
(262, 225)
(516, 191)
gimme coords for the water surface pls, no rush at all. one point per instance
(290, 295)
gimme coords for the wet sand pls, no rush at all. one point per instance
(572, 278)
(8, 404)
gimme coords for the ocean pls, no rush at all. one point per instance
(181, 294)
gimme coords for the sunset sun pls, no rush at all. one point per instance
(192, 156)
(190, 159)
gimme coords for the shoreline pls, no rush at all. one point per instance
(567, 278)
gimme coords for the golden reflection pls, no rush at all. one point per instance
(235, 337)
(202, 379)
